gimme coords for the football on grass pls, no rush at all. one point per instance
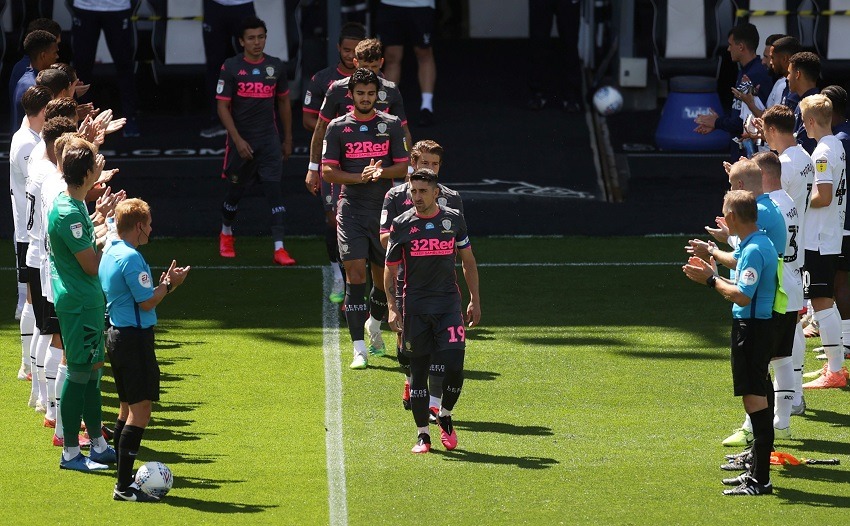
(155, 479)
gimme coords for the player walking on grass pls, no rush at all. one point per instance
(752, 293)
(424, 154)
(247, 88)
(824, 229)
(427, 239)
(74, 258)
(363, 150)
(131, 301)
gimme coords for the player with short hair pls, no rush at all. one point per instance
(23, 141)
(803, 73)
(57, 80)
(824, 229)
(246, 92)
(752, 292)
(363, 150)
(428, 238)
(797, 177)
(43, 49)
(43, 24)
(424, 154)
(75, 253)
(350, 35)
(131, 300)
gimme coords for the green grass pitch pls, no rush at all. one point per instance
(594, 394)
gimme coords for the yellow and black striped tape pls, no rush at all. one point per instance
(740, 13)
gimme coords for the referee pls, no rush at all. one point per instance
(131, 301)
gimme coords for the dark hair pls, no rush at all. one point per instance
(787, 45)
(369, 50)
(352, 31)
(425, 146)
(362, 76)
(45, 24)
(808, 63)
(424, 174)
(772, 38)
(769, 164)
(55, 79)
(838, 96)
(780, 117)
(61, 107)
(57, 127)
(67, 68)
(746, 34)
(35, 98)
(251, 22)
(76, 163)
(37, 42)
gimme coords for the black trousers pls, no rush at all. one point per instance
(221, 25)
(557, 65)
(118, 32)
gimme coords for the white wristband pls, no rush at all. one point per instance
(313, 167)
(410, 169)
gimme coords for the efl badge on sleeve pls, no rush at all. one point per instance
(219, 88)
(77, 230)
(820, 165)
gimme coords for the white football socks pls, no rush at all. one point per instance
(22, 296)
(427, 102)
(433, 401)
(360, 348)
(60, 382)
(27, 330)
(336, 271)
(830, 335)
(798, 355)
(226, 230)
(445, 412)
(783, 391)
(278, 245)
(69, 453)
(51, 370)
(98, 443)
(40, 356)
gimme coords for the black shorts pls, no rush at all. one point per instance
(819, 275)
(134, 366)
(431, 333)
(399, 26)
(786, 329)
(359, 238)
(21, 256)
(752, 348)
(330, 195)
(843, 263)
(44, 311)
(266, 164)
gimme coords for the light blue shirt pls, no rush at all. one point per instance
(755, 277)
(126, 281)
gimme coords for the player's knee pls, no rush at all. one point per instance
(79, 377)
(452, 362)
(378, 297)
(393, 54)
(424, 54)
(228, 211)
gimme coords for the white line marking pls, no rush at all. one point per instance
(337, 498)
(480, 265)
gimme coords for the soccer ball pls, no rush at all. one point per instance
(608, 100)
(155, 479)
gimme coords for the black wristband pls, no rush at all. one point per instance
(711, 281)
(168, 287)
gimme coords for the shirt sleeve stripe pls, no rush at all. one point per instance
(309, 110)
(324, 118)
(222, 97)
(401, 160)
(284, 94)
(330, 161)
(393, 263)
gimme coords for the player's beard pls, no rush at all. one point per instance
(358, 108)
(344, 63)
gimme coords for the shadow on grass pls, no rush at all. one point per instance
(183, 407)
(561, 341)
(169, 457)
(708, 355)
(828, 417)
(459, 455)
(211, 506)
(798, 497)
(826, 473)
(166, 434)
(196, 483)
(282, 338)
(502, 427)
(816, 448)
(480, 334)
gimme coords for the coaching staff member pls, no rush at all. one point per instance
(752, 294)
(131, 301)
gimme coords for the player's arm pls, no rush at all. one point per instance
(821, 195)
(312, 180)
(242, 147)
(470, 274)
(284, 109)
(700, 271)
(89, 260)
(407, 135)
(170, 280)
(332, 173)
(399, 150)
(706, 250)
(309, 120)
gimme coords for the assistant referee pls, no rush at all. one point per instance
(131, 300)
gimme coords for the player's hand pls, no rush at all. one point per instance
(86, 110)
(312, 182)
(703, 130)
(721, 233)
(80, 89)
(115, 125)
(394, 319)
(176, 275)
(244, 149)
(707, 120)
(378, 171)
(286, 149)
(700, 248)
(366, 174)
(106, 176)
(473, 314)
(698, 270)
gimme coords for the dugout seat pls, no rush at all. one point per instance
(686, 38)
(831, 41)
(178, 45)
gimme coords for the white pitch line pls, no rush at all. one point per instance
(480, 265)
(337, 498)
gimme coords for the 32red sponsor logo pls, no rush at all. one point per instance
(253, 89)
(431, 247)
(365, 148)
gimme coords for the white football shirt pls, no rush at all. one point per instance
(824, 226)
